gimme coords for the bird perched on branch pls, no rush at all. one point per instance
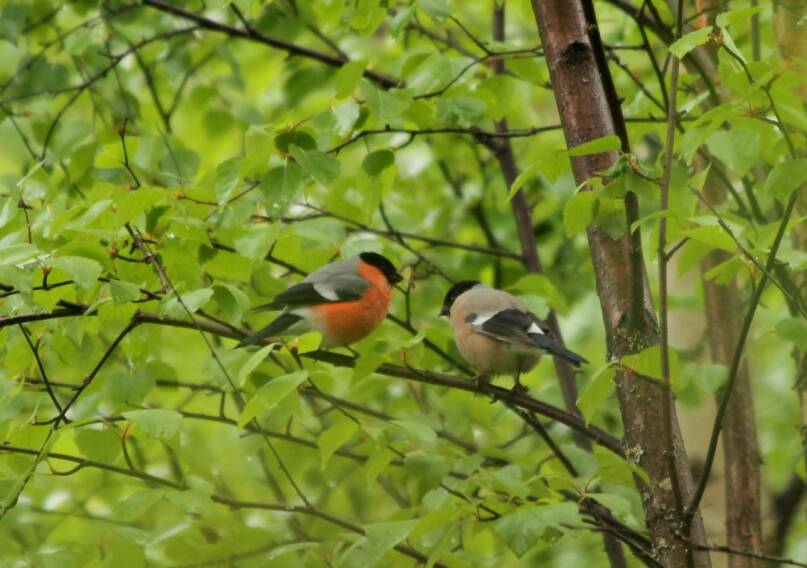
(344, 301)
(497, 334)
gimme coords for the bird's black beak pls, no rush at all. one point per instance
(395, 278)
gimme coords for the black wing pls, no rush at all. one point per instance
(307, 294)
(522, 329)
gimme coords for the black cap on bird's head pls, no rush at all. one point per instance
(384, 265)
(456, 290)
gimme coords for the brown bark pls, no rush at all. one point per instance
(585, 114)
(791, 37)
(740, 448)
(741, 458)
(503, 150)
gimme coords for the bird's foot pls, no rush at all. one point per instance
(518, 388)
(480, 380)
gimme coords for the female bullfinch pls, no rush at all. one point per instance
(497, 334)
(344, 301)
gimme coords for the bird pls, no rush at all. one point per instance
(344, 301)
(497, 334)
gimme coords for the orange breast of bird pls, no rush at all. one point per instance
(343, 323)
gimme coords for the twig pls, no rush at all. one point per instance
(735, 364)
(216, 498)
(141, 244)
(250, 34)
(524, 401)
(664, 337)
(35, 351)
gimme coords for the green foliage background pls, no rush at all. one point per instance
(126, 129)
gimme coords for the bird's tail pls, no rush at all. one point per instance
(554, 348)
(281, 323)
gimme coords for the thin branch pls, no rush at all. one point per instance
(748, 554)
(253, 35)
(530, 419)
(473, 131)
(216, 498)
(146, 250)
(664, 337)
(62, 416)
(735, 364)
(597, 435)
(493, 251)
(791, 298)
(35, 351)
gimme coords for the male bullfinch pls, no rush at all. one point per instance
(344, 301)
(497, 334)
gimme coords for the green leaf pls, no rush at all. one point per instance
(321, 166)
(123, 292)
(793, 330)
(160, 423)
(616, 504)
(541, 286)
(599, 388)
(578, 213)
(738, 148)
(737, 15)
(98, 444)
(278, 551)
(191, 300)
(380, 539)
(655, 215)
(258, 241)
(346, 116)
(226, 179)
(786, 177)
(728, 43)
(307, 342)
(333, 438)
(725, 272)
(648, 363)
(347, 78)
(523, 529)
(83, 271)
(462, 111)
(295, 137)
(597, 146)
(378, 462)
(417, 430)
(712, 235)
(280, 186)
(367, 16)
(130, 204)
(438, 10)
(129, 388)
(232, 301)
(690, 41)
(376, 162)
(270, 394)
(386, 105)
(252, 363)
(17, 254)
(522, 179)
(510, 480)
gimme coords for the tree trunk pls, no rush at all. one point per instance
(740, 448)
(791, 36)
(585, 114)
(503, 150)
(723, 320)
